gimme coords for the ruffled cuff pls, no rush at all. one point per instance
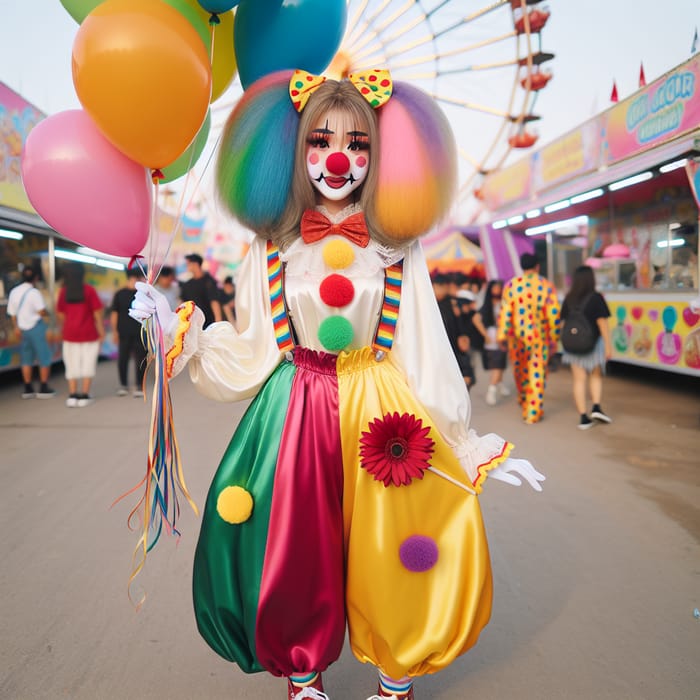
(185, 340)
(479, 454)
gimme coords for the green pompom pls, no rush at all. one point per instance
(335, 333)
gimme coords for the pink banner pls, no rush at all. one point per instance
(665, 109)
(17, 119)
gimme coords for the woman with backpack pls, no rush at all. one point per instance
(583, 300)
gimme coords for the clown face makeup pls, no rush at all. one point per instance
(337, 157)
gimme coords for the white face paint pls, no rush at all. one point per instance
(337, 157)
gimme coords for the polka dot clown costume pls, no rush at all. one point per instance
(348, 494)
(529, 323)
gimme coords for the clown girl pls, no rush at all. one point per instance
(348, 494)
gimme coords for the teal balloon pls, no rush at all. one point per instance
(272, 35)
(188, 159)
(80, 9)
(218, 6)
(669, 317)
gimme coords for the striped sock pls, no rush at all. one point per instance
(304, 680)
(395, 687)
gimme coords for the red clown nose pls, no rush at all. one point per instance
(338, 163)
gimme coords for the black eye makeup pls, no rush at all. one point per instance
(359, 141)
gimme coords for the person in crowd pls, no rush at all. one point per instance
(127, 336)
(167, 284)
(201, 289)
(529, 323)
(454, 326)
(588, 368)
(26, 308)
(494, 355)
(80, 312)
(228, 299)
(323, 515)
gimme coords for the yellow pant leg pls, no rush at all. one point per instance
(407, 621)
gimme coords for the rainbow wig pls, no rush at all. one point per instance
(256, 156)
(417, 164)
(415, 161)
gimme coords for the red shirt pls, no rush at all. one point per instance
(79, 322)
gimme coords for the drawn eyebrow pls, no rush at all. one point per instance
(322, 131)
(357, 133)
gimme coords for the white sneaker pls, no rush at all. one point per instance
(503, 390)
(84, 400)
(72, 401)
(138, 394)
(492, 395)
(122, 391)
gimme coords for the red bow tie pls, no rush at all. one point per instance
(315, 226)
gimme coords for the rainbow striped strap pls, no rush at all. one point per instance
(280, 319)
(384, 337)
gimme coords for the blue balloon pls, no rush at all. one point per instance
(218, 6)
(272, 35)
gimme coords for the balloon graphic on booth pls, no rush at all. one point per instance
(143, 74)
(271, 35)
(85, 188)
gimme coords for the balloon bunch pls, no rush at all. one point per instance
(146, 72)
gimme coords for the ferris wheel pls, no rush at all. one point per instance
(483, 62)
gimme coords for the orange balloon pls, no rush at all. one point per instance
(143, 74)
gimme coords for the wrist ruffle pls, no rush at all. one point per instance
(479, 454)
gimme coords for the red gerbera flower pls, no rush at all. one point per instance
(396, 449)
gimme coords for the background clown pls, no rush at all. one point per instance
(348, 493)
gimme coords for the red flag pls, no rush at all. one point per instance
(613, 94)
(642, 79)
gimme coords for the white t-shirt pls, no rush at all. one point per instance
(27, 311)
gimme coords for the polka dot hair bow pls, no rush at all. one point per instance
(374, 85)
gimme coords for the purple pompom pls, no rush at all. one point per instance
(418, 553)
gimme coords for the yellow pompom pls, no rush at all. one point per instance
(234, 505)
(338, 254)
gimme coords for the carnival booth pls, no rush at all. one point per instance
(619, 193)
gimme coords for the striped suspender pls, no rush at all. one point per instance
(384, 337)
(283, 333)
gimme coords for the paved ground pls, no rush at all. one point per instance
(596, 578)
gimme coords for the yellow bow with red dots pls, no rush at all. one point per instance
(374, 85)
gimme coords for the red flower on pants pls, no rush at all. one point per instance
(396, 449)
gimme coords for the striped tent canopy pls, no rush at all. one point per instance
(450, 250)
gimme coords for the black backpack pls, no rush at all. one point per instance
(577, 334)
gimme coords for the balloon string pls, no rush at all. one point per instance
(159, 507)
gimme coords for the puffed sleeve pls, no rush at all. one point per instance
(423, 353)
(230, 363)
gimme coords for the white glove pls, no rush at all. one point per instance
(694, 305)
(149, 301)
(522, 467)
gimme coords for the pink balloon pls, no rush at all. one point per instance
(85, 188)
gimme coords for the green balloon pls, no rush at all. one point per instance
(194, 17)
(187, 160)
(80, 9)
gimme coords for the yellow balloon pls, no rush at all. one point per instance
(223, 61)
(143, 74)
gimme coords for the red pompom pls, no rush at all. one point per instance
(337, 291)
